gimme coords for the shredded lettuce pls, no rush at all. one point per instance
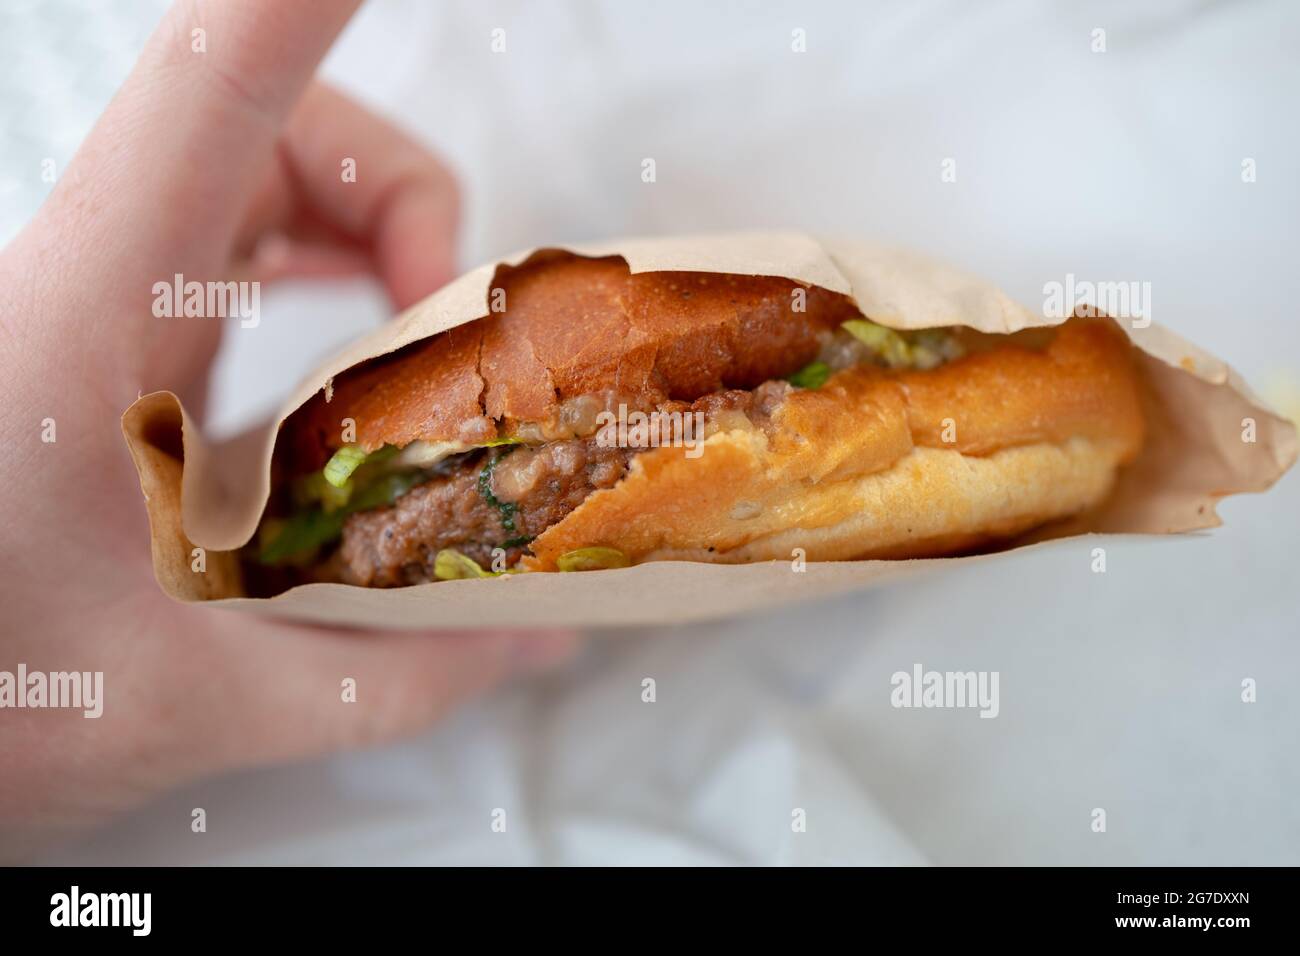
(891, 347)
(312, 489)
(812, 375)
(303, 533)
(314, 527)
(451, 565)
(592, 559)
(343, 463)
(921, 349)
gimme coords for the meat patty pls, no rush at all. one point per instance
(503, 498)
(396, 546)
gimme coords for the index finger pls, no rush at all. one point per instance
(400, 202)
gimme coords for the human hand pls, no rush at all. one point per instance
(207, 164)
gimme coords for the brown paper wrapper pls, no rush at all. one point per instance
(212, 498)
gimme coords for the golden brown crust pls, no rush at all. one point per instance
(430, 392)
(931, 502)
(1082, 383)
(580, 326)
(861, 467)
(570, 327)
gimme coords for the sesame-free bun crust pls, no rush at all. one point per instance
(564, 327)
(876, 464)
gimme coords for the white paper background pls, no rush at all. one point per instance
(1118, 691)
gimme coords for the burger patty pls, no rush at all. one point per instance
(396, 546)
(503, 498)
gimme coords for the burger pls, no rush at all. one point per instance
(595, 418)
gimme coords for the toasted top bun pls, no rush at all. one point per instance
(562, 327)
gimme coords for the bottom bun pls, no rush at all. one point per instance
(935, 502)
